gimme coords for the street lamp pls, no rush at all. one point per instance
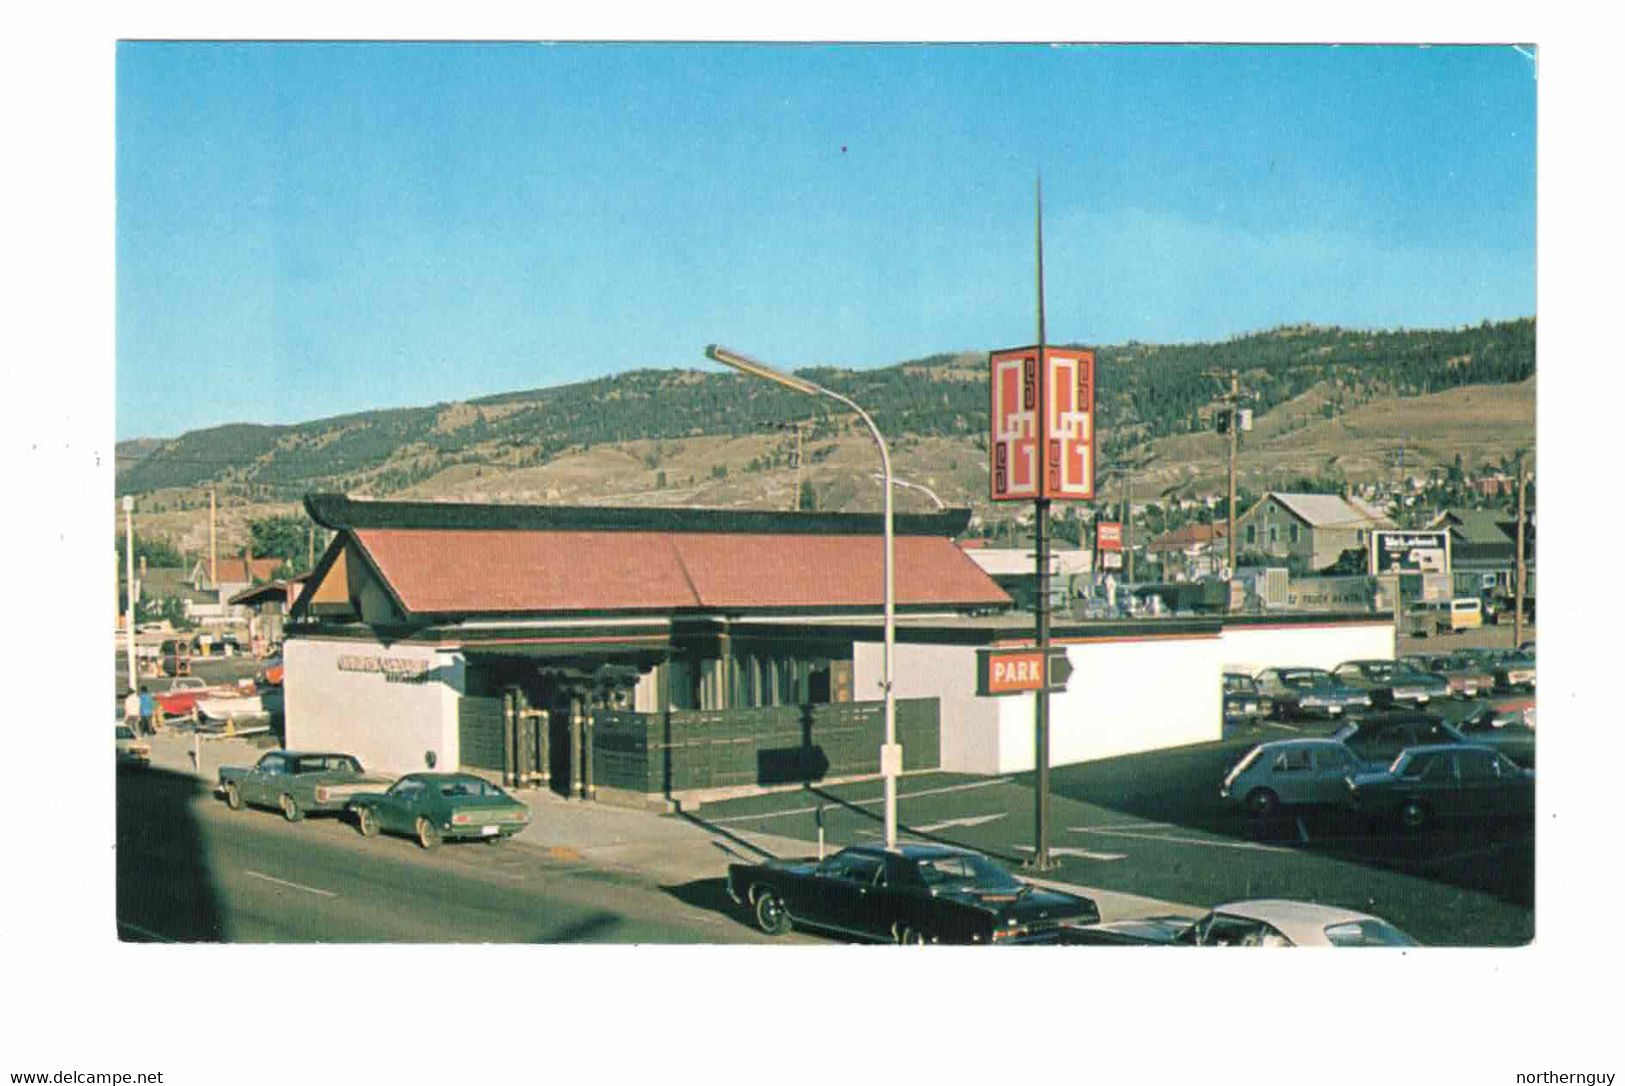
(891, 754)
(927, 491)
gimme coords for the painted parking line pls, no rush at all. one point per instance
(150, 934)
(974, 820)
(1081, 853)
(1123, 826)
(875, 802)
(290, 885)
(1246, 846)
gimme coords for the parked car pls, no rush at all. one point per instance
(1243, 704)
(1391, 682)
(298, 782)
(1378, 739)
(1465, 674)
(1290, 773)
(1504, 729)
(1264, 923)
(129, 748)
(1514, 670)
(913, 894)
(436, 806)
(1429, 784)
(1299, 692)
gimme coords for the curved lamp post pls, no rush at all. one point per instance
(891, 754)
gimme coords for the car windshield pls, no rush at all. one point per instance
(966, 869)
(1368, 932)
(1405, 670)
(1307, 680)
(468, 786)
(1239, 684)
(1381, 670)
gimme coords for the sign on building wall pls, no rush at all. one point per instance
(395, 669)
(1051, 457)
(1018, 671)
(1410, 552)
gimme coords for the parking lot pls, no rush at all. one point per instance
(1152, 824)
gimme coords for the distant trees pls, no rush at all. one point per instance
(287, 538)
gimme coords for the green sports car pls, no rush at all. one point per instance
(436, 806)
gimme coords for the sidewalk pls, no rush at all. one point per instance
(669, 849)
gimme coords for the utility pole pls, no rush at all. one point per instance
(310, 549)
(1230, 506)
(1128, 525)
(1517, 602)
(129, 590)
(214, 558)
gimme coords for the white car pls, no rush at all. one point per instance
(1291, 773)
(1267, 922)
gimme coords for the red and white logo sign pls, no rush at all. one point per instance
(1065, 436)
(1109, 535)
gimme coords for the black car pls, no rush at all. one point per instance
(1379, 738)
(1242, 701)
(1296, 693)
(1392, 682)
(1500, 729)
(912, 894)
(1430, 784)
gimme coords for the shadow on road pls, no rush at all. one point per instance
(165, 889)
(712, 896)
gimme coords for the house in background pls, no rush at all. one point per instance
(1307, 533)
(1190, 551)
(268, 606)
(1484, 550)
(231, 576)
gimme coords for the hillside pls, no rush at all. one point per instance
(1326, 398)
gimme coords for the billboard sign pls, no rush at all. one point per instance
(1020, 671)
(1410, 552)
(1109, 535)
(1051, 457)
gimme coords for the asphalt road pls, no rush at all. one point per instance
(1152, 824)
(189, 870)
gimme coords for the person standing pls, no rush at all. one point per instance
(144, 706)
(132, 707)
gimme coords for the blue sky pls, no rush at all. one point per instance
(304, 230)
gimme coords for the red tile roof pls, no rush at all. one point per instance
(450, 571)
(233, 571)
(1190, 535)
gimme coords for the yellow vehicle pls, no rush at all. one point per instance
(1465, 613)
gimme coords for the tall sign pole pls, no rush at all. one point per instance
(1041, 449)
(1521, 574)
(1041, 856)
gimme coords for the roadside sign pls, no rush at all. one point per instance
(1020, 671)
(1410, 552)
(1065, 439)
(1109, 535)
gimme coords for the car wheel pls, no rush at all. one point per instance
(428, 834)
(1263, 803)
(771, 915)
(1414, 814)
(495, 839)
(234, 798)
(290, 808)
(912, 937)
(366, 821)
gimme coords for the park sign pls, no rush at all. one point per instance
(1020, 671)
(1052, 456)
(1409, 552)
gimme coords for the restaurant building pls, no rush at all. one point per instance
(658, 652)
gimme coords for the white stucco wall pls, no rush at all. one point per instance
(388, 725)
(1251, 649)
(969, 725)
(1124, 696)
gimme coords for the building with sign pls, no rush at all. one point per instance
(652, 652)
(1306, 533)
